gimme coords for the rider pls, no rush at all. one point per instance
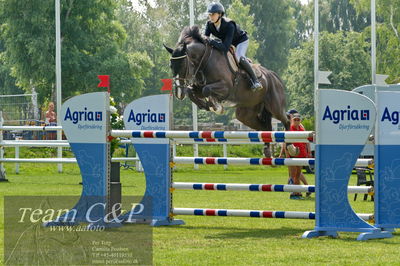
(230, 34)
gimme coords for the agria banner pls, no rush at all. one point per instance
(387, 158)
(85, 121)
(344, 122)
(149, 113)
(153, 113)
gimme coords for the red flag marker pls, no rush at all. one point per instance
(167, 85)
(104, 81)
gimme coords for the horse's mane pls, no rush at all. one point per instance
(192, 32)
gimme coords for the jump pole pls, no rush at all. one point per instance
(255, 213)
(259, 187)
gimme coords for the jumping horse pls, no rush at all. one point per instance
(205, 75)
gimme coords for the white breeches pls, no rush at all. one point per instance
(241, 49)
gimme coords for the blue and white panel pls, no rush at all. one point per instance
(153, 113)
(387, 157)
(85, 121)
(344, 123)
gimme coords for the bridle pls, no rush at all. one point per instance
(185, 80)
(190, 80)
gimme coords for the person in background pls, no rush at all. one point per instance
(304, 151)
(51, 120)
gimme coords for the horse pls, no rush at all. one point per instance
(204, 74)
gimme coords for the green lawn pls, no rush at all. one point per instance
(223, 240)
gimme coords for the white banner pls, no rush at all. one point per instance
(344, 118)
(85, 119)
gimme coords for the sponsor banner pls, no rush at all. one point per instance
(84, 118)
(149, 113)
(344, 122)
(388, 120)
(345, 118)
(387, 157)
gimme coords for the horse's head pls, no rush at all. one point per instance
(184, 59)
(182, 69)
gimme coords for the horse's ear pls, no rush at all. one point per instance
(170, 50)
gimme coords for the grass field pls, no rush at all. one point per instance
(222, 240)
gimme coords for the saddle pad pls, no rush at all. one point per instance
(232, 60)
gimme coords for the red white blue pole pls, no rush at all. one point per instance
(257, 136)
(254, 213)
(259, 187)
(258, 161)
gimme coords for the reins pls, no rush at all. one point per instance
(201, 67)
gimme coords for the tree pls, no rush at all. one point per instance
(345, 54)
(303, 16)
(241, 14)
(341, 15)
(91, 45)
(388, 36)
(275, 27)
(7, 82)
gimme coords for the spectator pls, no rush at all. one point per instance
(303, 151)
(51, 120)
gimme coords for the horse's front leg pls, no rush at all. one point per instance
(219, 90)
(216, 92)
(196, 97)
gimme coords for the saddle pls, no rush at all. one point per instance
(234, 63)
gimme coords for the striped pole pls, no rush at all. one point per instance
(258, 161)
(256, 136)
(236, 141)
(255, 214)
(259, 187)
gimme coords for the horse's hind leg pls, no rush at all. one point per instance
(267, 120)
(250, 117)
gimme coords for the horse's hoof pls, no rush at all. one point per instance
(219, 110)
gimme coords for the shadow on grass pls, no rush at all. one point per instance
(234, 232)
(278, 233)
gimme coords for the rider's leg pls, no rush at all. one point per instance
(255, 84)
(241, 50)
(240, 54)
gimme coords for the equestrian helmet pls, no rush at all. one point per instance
(216, 8)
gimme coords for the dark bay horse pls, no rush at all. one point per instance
(204, 75)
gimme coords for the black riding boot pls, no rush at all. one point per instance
(255, 84)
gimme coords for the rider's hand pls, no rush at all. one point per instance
(213, 43)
